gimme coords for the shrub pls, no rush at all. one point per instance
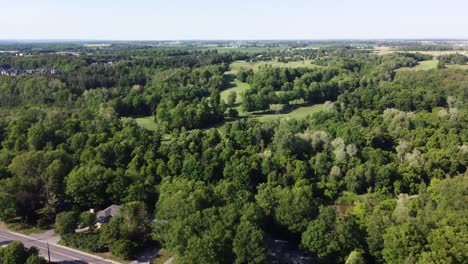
(123, 248)
(65, 223)
(36, 259)
(87, 241)
(16, 253)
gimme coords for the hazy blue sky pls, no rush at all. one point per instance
(233, 19)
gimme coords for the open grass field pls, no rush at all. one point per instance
(422, 66)
(146, 122)
(237, 87)
(299, 113)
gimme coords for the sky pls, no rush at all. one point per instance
(233, 19)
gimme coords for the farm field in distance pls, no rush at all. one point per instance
(383, 50)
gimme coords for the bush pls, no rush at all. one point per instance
(123, 248)
(43, 223)
(36, 259)
(356, 257)
(233, 113)
(16, 253)
(65, 223)
(87, 241)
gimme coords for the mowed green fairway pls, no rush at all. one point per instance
(298, 113)
(422, 66)
(146, 122)
(238, 87)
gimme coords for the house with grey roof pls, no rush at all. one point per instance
(106, 215)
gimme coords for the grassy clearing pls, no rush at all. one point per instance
(299, 113)
(238, 87)
(147, 122)
(422, 66)
(235, 66)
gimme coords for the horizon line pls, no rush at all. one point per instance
(233, 39)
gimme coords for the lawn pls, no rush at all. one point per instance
(422, 66)
(147, 122)
(299, 113)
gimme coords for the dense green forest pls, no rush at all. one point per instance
(379, 175)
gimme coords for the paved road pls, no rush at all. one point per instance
(58, 254)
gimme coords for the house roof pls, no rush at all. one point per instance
(110, 211)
